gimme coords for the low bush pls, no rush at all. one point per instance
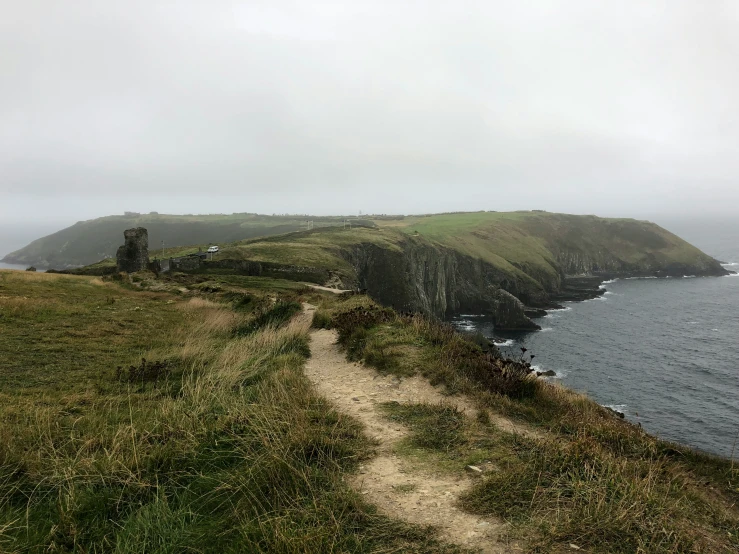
(433, 426)
(321, 320)
(277, 314)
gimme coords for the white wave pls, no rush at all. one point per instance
(548, 316)
(732, 275)
(471, 315)
(609, 281)
(508, 342)
(546, 329)
(730, 264)
(617, 407)
(688, 276)
(608, 292)
(648, 277)
(567, 309)
(557, 374)
(603, 298)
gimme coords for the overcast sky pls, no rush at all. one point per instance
(624, 107)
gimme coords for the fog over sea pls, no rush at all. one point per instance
(663, 351)
(14, 237)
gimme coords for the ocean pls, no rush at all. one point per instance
(665, 352)
(14, 237)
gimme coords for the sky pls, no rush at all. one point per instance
(617, 108)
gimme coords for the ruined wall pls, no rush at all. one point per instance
(133, 256)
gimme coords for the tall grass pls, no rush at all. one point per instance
(589, 479)
(235, 452)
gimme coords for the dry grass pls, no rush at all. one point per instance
(589, 479)
(232, 452)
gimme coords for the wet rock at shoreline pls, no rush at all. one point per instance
(509, 313)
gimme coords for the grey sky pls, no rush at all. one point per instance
(626, 107)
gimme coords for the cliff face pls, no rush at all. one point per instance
(420, 275)
(606, 265)
(435, 280)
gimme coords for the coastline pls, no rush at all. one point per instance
(659, 354)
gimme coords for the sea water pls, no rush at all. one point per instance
(665, 352)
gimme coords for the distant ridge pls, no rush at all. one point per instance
(87, 242)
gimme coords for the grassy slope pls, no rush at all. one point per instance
(87, 242)
(522, 244)
(230, 450)
(216, 444)
(528, 239)
(320, 248)
(583, 477)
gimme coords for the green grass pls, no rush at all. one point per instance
(217, 442)
(532, 241)
(230, 451)
(583, 476)
(87, 242)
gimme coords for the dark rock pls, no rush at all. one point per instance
(31, 268)
(508, 313)
(434, 280)
(578, 289)
(534, 312)
(133, 256)
(615, 412)
(547, 373)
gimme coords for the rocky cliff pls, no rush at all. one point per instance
(423, 277)
(418, 274)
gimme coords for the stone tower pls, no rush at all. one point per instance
(134, 254)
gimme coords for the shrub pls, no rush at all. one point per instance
(276, 315)
(321, 320)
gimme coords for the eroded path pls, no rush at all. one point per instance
(393, 484)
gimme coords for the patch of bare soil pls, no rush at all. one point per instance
(393, 484)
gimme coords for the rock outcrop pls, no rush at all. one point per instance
(133, 256)
(421, 277)
(509, 313)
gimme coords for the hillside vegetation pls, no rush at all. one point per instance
(87, 242)
(173, 414)
(446, 263)
(538, 245)
(138, 421)
(526, 245)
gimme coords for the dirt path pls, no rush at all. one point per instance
(327, 289)
(391, 483)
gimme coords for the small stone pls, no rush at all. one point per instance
(474, 470)
(356, 399)
(574, 547)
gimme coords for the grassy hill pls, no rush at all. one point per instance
(87, 242)
(535, 239)
(174, 415)
(534, 249)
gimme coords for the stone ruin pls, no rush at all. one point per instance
(133, 256)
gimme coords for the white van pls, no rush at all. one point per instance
(212, 249)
